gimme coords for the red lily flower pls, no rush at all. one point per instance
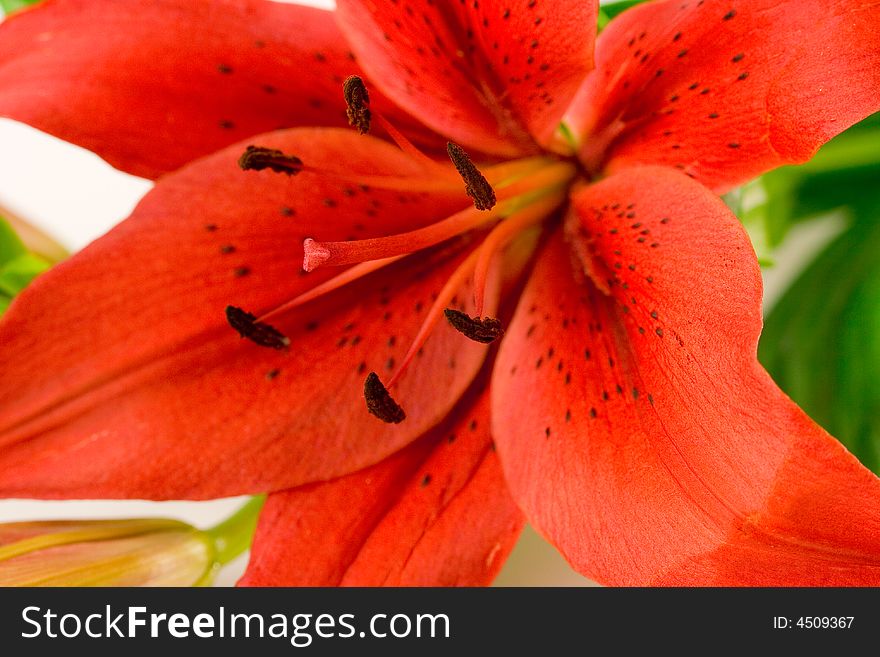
(634, 426)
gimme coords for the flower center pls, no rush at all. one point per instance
(510, 201)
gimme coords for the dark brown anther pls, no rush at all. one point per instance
(356, 101)
(476, 185)
(257, 158)
(379, 401)
(478, 329)
(259, 333)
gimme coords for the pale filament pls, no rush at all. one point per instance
(348, 276)
(528, 216)
(502, 234)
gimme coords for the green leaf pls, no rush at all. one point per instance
(821, 343)
(10, 245)
(18, 267)
(16, 274)
(844, 171)
(8, 6)
(612, 9)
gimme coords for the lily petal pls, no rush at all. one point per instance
(121, 377)
(152, 84)
(492, 75)
(662, 452)
(435, 514)
(728, 89)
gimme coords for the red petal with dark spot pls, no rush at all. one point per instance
(492, 75)
(121, 377)
(727, 89)
(435, 514)
(151, 85)
(660, 451)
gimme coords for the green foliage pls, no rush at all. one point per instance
(821, 342)
(844, 171)
(18, 267)
(8, 6)
(613, 9)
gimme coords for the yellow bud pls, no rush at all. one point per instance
(142, 552)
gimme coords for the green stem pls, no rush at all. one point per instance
(233, 536)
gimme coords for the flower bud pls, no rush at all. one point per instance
(140, 552)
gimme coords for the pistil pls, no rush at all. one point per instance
(518, 194)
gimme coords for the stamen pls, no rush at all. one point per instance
(472, 328)
(356, 101)
(502, 175)
(257, 158)
(435, 167)
(479, 329)
(259, 333)
(395, 183)
(349, 275)
(435, 312)
(503, 233)
(379, 401)
(476, 185)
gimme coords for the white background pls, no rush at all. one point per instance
(76, 197)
